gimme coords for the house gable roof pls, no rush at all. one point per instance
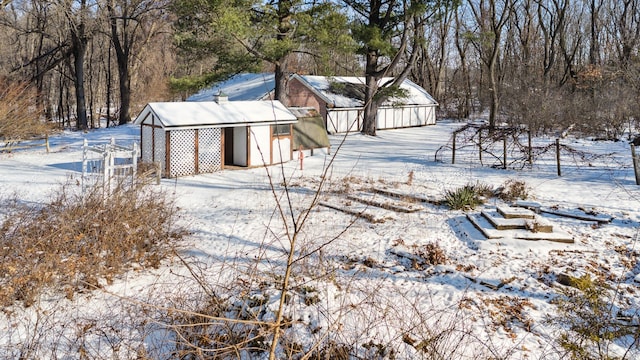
(212, 114)
(241, 87)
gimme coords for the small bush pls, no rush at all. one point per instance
(77, 242)
(432, 254)
(203, 332)
(331, 350)
(466, 197)
(590, 322)
(19, 119)
(514, 190)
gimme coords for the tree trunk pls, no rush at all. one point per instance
(370, 104)
(79, 50)
(108, 102)
(493, 91)
(281, 80)
(124, 80)
(122, 48)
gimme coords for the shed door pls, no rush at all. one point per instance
(240, 146)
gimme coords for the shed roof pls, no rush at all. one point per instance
(212, 114)
(241, 87)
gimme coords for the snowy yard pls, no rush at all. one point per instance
(363, 282)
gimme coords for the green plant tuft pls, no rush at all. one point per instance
(466, 197)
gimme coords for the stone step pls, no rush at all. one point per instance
(501, 223)
(482, 224)
(536, 224)
(510, 212)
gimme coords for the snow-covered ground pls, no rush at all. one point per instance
(358, 282)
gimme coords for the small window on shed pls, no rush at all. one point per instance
(281, 129)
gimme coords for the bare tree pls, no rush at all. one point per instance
(431, 66)
(127, 21)
(624, 16)
(491, 17)
(78, 15)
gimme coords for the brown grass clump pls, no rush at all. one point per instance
(75, 243)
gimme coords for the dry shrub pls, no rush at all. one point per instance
(410, 177)
(513, 190)
(74, 243)
(19, 116)
(432, 254)
(331, 350)
(347, 184)
(219, 328)
(509, 311)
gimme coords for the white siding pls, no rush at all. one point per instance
(260, 145)
(281, 147)
(344, 120)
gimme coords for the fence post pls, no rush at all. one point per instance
(530, 155)
(558, 157)
(85, 149)
(453, 155)
(480, 144)
(134, 159)
(504, 149)
(46, 142)
(636, 165)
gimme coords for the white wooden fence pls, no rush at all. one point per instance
(109, 165)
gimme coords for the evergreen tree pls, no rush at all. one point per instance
(387, 32)
(243, 34)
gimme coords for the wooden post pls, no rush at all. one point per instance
(504, 150)
(134, 160)
(558, 156)
(301, 156)
(46, 142)
(453, 155)
(480, 145)
(530, 149)
(636, 165)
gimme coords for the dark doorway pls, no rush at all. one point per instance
(228, 146)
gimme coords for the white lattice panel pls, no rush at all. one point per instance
(209, 150)
(183, 153)
(147, 143)
(160, 154)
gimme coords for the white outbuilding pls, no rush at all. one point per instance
(188, 138)
(338, 99)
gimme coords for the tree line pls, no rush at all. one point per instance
(546, 64)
